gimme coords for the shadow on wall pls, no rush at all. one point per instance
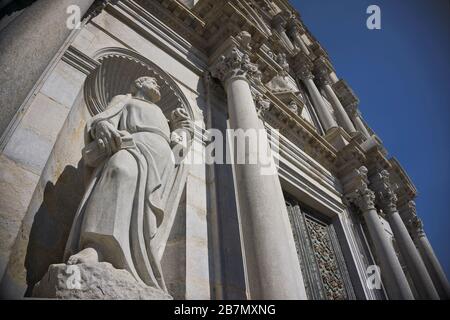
(52, 224)
(8, 7)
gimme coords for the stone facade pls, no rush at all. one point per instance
(336, 206)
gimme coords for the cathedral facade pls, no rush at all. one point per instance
(85, 178)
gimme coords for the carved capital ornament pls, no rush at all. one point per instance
(362, 197)
(235, 63)
(387, 197)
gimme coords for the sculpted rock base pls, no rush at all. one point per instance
(96, 281)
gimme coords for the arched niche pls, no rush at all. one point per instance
(117, 70)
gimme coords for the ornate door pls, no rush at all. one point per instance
(323, 267)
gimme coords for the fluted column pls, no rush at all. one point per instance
(303, 69)
(272, 265)
(416, 267)
(355, 115)
(323, 77)
(394, 279)
(28, 44)
(432, 264)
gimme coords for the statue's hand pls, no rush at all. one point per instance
(107, 137)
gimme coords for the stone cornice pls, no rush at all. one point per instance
(407, 188)
(176, 16)
(79, 60)
(346, 95)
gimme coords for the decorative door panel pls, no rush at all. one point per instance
(323, 267)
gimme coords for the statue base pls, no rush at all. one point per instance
(96, 281)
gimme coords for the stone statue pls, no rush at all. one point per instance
(282, 82)
(129, 147)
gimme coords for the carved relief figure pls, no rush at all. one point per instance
(129, 147)
(282, 82)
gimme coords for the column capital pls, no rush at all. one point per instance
(294, 26)
(414, 223)
(362, 197)
(234, 60)
(387, 197)
(322, 71)
(303, 66)
(279, 21)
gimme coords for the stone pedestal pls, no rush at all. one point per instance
(98, 281)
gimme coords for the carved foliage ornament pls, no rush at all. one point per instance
(362, 197)
(414, 222)
(326, 260)
(235, 63)
(387, 196)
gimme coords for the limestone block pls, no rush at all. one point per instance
(13, 202)
(98, 281)
(29, 149)
(45, 117)
(64, 84)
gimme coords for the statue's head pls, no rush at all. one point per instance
(147, 87)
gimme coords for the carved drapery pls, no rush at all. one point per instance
(118, 68)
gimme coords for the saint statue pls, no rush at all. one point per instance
(129, 148)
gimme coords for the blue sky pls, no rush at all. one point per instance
(401, 74)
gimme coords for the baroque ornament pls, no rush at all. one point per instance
(415, 224)
(235, 63)
(363, 197)
(388, 198)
